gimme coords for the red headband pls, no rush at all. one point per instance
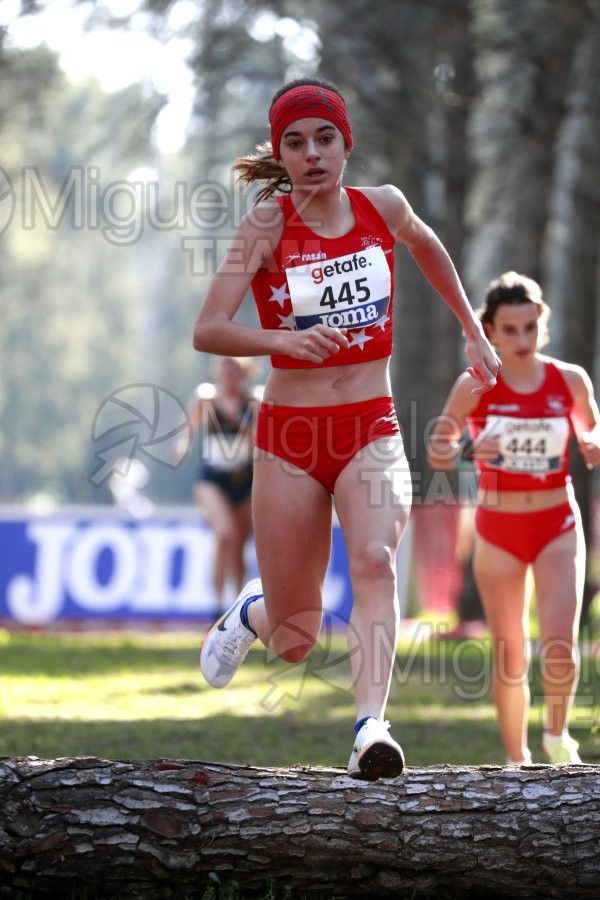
(305, 102)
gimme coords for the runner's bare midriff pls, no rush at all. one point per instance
(328, 386)
(524, 501)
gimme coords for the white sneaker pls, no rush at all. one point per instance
(562, 752)
(526, 761)
(375, 754)
(226, 644)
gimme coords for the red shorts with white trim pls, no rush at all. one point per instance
(526, 534)
(321, 440)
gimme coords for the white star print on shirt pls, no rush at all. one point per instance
(287, 321)
(359, 338)
(279, 295)
(382, 322)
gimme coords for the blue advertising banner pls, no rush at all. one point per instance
(101, 565)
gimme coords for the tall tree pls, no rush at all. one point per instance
(524, 60)
(70, 281)
(572, 269)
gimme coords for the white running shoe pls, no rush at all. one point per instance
(526, 761)
(563, 752)
(375, 754)
(226, 644)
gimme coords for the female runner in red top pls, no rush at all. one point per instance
(526, 514)
(319, 260)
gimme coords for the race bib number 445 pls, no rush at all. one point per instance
(350, 291)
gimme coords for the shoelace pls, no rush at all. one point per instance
(372, 722)
(231, 643)
(383, 722)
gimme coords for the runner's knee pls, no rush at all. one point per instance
(375, 562)
(293, 638)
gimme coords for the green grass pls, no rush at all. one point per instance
(140, 696)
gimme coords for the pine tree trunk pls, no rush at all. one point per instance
(164, 828)
(525, 60)
(573, 251)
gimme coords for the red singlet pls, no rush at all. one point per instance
(534, 431)
(346, 282)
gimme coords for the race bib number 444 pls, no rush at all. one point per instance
(350, 291)
(532, 446)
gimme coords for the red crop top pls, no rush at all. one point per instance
(346, 282)
(534, 431)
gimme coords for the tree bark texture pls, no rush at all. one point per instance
(88, 827)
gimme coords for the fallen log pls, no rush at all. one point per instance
(97, 828)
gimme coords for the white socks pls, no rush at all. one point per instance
(526, 761)
(555, 738)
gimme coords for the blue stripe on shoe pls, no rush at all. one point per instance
(244, 613)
